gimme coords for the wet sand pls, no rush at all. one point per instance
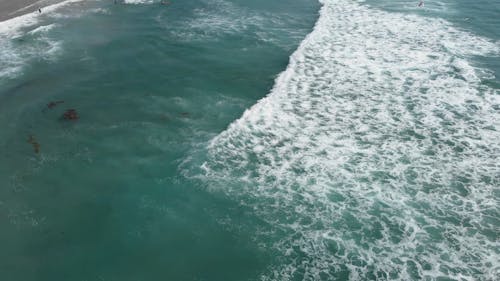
(14, 8)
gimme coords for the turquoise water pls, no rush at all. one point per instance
(251, 140)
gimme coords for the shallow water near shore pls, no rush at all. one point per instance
(373, 155)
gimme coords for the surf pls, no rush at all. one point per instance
(373, 156)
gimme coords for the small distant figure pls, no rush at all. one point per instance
(36, 145)
(185, 114)
(53, 104)
(421, 4)
(70, 114)
(39, 10)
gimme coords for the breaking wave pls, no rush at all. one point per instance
(375, 156)
(27, 38)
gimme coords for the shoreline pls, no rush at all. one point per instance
(10, 9)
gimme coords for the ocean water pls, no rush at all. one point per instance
(251, 140)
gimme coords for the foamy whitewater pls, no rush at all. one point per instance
(37, 45)
(375, 154)
(372, 156)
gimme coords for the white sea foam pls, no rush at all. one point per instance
(15, 54)
(139, 1)
(405, 5)
(12, 26)
(216, 18)
(375, 155)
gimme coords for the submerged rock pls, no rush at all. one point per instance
(70, 114)
(36, 145)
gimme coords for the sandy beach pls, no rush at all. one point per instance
(14, 8)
